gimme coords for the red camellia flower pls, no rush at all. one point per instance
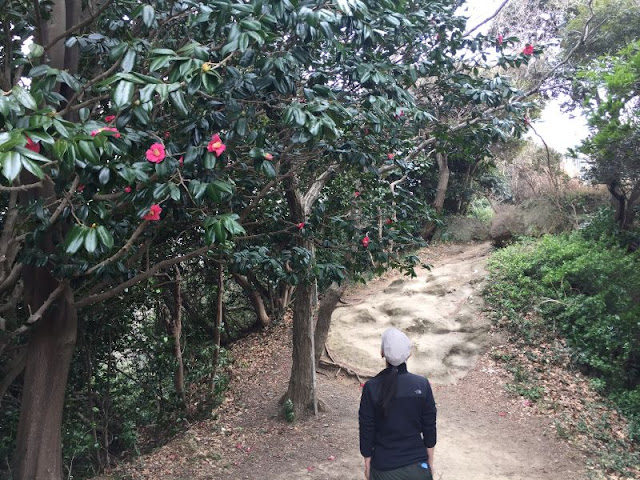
(156, 153)
(216, 146)
(356, 194)
(80, 188)
(154, 213)
(388, 221)
(365, 241)
(500, 39)
(528, 50)
(181, 160)
(300, 225)
(167, 134)
(127, 189)
(390, 156)
(268, 156)
(31, 145)
(109, 118)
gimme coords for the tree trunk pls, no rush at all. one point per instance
(217, 327)
(619, 201)
(255, 298)
(302, 385)
(300, 390)
(325, 310)
(176, 327)
(443, 181)
(38, 453)
(441, 191)
(630, 212)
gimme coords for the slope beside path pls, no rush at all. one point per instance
(483, 433)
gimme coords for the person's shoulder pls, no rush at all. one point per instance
(419, 379)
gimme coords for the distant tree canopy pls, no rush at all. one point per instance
(136, 137)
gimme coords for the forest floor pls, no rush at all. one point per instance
(484, 432)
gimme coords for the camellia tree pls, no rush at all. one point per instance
(139, 136)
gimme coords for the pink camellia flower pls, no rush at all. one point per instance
(216, 146)
(154, 213)
(268, 156)
(167, 134)
(528, 50)
(356, 194)
(181, 160)
(109, 118)
(112, 129)
(390, 156)
(300, 225)
(365, 241)
(31, 145)
(156, 153)
(127, 189)
(388, 221)
(500, 39)
(95, 132)
(80, 188)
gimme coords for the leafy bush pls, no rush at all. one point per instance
(585, 287)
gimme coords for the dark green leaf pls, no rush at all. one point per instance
(105, 237)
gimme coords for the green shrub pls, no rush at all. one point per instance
(586, 287)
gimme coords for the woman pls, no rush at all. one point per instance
(397, 418)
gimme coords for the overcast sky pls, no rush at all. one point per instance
(560, 130)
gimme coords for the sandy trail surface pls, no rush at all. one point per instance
(483, 433)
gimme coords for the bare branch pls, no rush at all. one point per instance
(90, 300)
(91, 82)
(65, 200)
(126, 247)
(486, 20)
(316, 187)
(78, 26)
(19, 362)
(12, 278)
(21, 188)
(53, 296)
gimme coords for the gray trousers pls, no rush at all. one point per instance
(415, 471)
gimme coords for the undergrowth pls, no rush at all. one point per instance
(573, 300)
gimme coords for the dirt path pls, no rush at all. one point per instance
(483, 432)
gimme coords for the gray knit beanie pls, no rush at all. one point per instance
(396, 346)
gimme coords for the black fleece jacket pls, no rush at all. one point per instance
(400, 438)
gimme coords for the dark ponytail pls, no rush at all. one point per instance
(389, 389)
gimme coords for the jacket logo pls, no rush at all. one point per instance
(418, 392)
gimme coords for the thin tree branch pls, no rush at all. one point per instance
(53, 296)
(65, 200)
(91, 82)
(21, 188)
(78, 26)
(486, 20)
(316, 187)
(126, 247)
(90, 300)
(12, 278)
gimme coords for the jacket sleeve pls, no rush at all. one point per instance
(367, 421)
(429, 419)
